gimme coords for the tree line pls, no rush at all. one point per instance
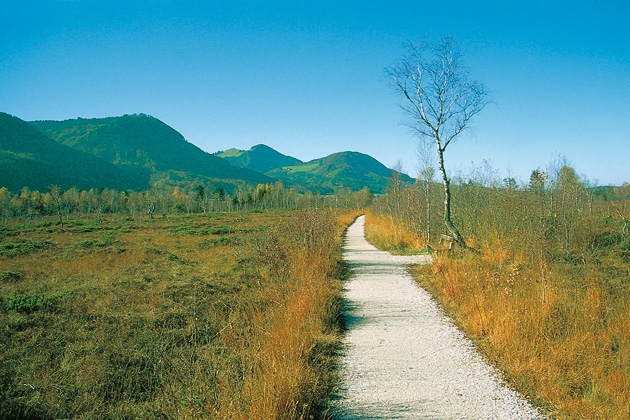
(557, 210)
(55, 201)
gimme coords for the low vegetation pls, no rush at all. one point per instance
(547, 298)
(388, 234)
(216, 315)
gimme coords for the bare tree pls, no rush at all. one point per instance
(395, 183)
(440, 101)
(426, 174)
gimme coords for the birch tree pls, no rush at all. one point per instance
(439, 100)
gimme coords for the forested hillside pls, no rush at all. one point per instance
(259, 158)
(145, 142)
(29, 158)
(344, 170)
(350, 170)
(138, 151)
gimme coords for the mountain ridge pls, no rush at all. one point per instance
(260, 157)
(143, 141)
(352, 170)
(138, 151)
(29, 158)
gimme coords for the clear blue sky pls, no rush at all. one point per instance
(306, 77)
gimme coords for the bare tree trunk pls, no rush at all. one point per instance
(447, 202)
(428, 192)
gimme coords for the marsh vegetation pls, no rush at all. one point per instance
(215, 315)
(547, 297)
(157, 305)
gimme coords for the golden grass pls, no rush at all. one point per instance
(345, 219)
(168, 322)
(386, 233)
(559, 331)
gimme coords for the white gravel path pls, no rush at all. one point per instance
(404, 359)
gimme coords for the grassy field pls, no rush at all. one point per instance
(547, 299)
(232, 315)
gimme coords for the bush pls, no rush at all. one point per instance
(32, 303)
(10, 276)
(222, 240)
(12, 249)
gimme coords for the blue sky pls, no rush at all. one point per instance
(307, 77)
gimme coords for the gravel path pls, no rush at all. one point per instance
(404, 359)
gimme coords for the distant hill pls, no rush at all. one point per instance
(29, 158)
(259, 158)
(351, 170)
(142, 141)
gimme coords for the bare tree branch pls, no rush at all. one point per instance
(439, 100)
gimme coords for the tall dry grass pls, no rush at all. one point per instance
(547, 299)
(295, 339)
(388, 234)
(562, 340)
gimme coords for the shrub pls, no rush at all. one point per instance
(10, 276)
(32, 303)
(12, 249)
(222, 240)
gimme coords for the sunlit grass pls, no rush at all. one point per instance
(174, 318)
(387, 234)
(559, 330)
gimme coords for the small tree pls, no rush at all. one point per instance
(440, 101)
(200, 197)
(395, 184)
(427, 173)
(537, 180)
(56, 201)
(5, 205)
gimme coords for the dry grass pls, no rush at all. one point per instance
(388, 234)
(218, 316)
(345, 219)
(559, 329)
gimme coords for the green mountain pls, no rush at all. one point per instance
(137, 151)
(259, 158)
(141, 141)
(351, 170)
(29, 158)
